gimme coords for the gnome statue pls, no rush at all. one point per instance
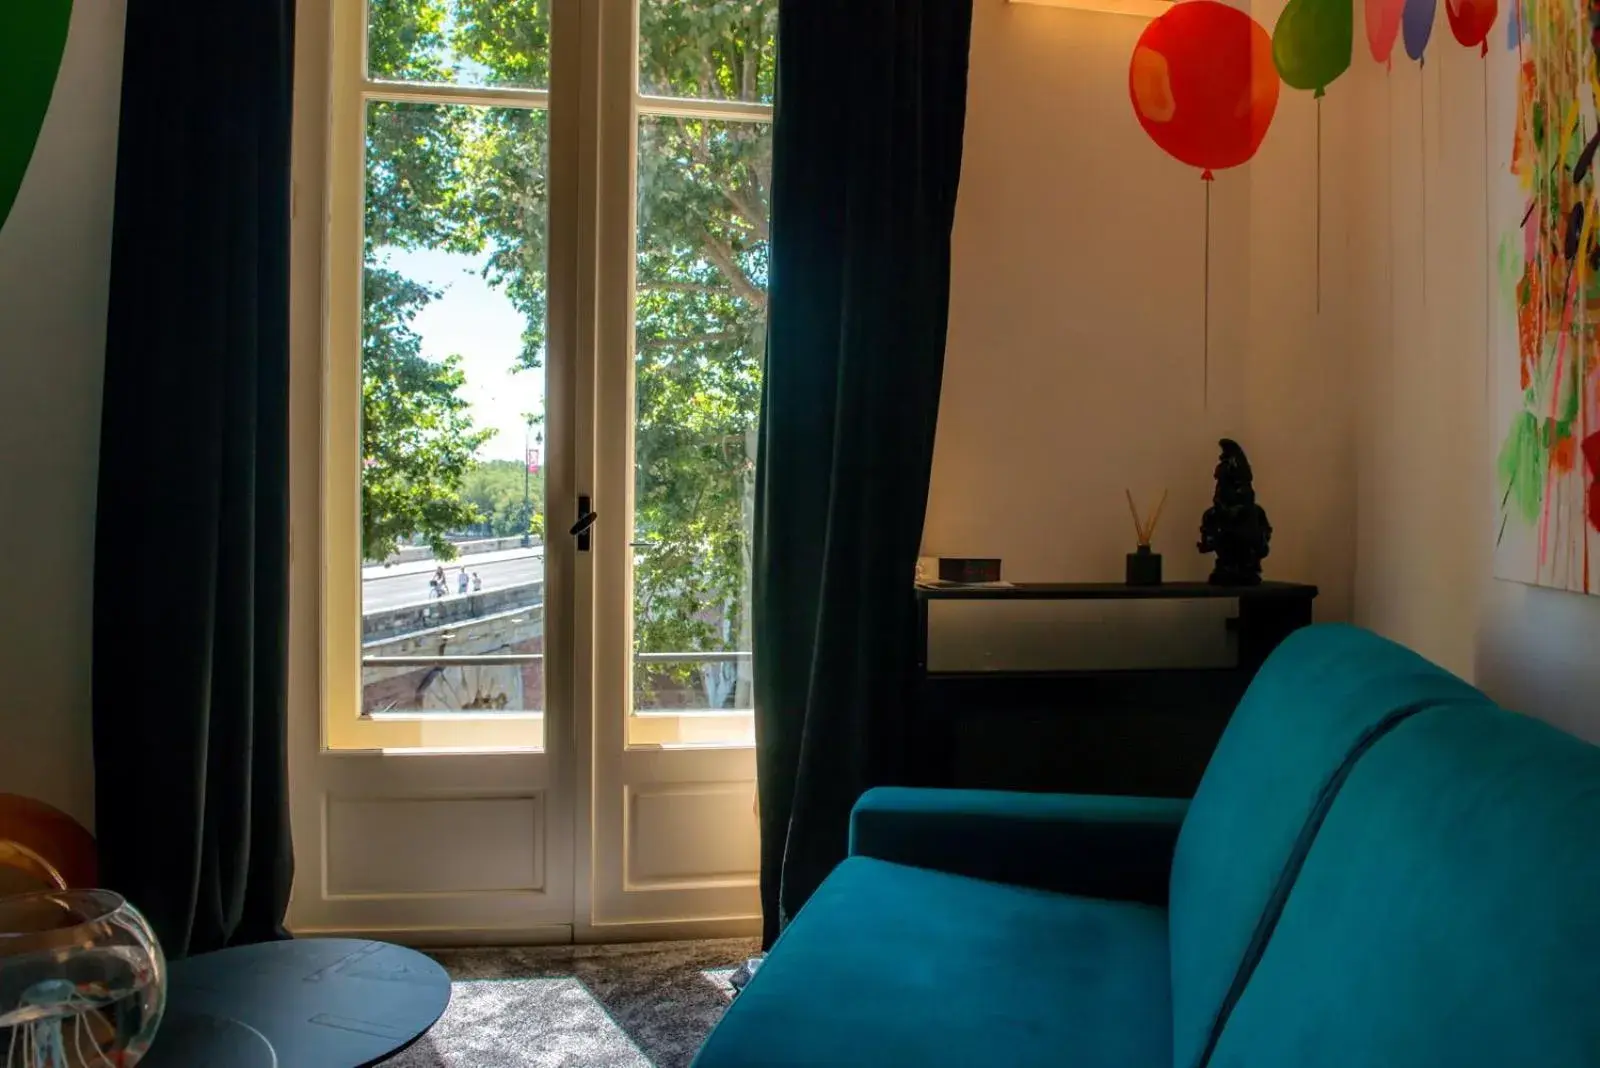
(1235, 527)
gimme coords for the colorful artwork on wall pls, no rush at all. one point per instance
(1545, 354)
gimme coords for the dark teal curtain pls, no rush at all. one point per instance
(871, 104)
(192, 542)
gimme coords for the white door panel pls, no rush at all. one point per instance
(681, 308)
(426, 845)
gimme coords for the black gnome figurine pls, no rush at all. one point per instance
(1235, 527)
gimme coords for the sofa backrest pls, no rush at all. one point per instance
(1447, 913)
(1326, 692)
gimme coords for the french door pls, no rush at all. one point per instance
(534, 324)
(684, 128)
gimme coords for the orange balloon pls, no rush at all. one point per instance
(1203, 84)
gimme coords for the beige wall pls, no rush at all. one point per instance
(1425, 495)
(1073, 368)
(54, 258)
(1074, 363)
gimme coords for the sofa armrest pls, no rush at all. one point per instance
(1092, 845)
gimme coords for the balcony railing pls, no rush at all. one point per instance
(512, 659)
(656, 693)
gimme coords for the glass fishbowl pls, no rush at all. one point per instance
(82, 981)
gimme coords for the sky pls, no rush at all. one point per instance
(474, 321)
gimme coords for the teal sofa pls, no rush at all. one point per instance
(1380, 868)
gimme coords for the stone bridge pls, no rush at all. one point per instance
(492, 623)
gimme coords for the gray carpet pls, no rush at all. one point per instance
(630, 1006)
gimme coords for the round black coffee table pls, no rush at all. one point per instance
(318, 1002)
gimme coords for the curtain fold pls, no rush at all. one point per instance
(870, 109)
(191, 575)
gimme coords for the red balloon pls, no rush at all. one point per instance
(1203, 84)
(1471, 21)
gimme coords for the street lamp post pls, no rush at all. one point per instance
(527, 474)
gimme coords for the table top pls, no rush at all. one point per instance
(1107, 591)
(186, 1039)
(320, 1002)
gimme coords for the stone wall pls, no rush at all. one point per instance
(448, 611)
(446, 687)
(411, 553)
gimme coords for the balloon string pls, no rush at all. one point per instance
(1444, 127)
(1319, 203)
(1488, 229)
(1205, 386)
(1422, 125)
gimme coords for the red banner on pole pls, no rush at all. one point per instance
(533, 461)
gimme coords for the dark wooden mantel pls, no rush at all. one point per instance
(1126, 731)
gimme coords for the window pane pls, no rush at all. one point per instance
(452, 363)
(699, 345)
(462, 42)
(708, 49)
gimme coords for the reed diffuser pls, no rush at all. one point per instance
(1144, 566)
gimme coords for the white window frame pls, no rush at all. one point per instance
(595, 126)
(344, 725)
(619, 723)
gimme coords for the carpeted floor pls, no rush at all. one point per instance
(630, 1006)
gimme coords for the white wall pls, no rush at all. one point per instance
(1074, 367)
(1420, 248)
(54, 261)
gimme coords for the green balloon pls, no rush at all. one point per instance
(1313, 42)
(33, 35)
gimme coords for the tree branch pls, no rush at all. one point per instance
(735, 196)
(720, 253)
(683, 287)
(747, 210)
(692, 339)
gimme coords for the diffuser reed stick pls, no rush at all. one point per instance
(1142, 529)
(1133, 510)
(1150, 531)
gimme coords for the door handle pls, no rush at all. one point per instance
(586, 520)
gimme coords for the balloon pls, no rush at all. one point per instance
(1383, 27)
(31, 45)
(1514, 24)
(1313, 41)
(1416, 25)
(1471, 21)
(1202, 84)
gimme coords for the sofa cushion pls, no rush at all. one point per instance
(1448, 912)
(1323, 691)
(891, 965)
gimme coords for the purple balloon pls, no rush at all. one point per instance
(1416, 25)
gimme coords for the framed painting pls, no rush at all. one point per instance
(1544, 355)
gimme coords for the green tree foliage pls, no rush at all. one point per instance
(474, 180)
(417, 438)
(496, 490)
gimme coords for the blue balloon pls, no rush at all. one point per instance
(1514, 24)
(1416, 25)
